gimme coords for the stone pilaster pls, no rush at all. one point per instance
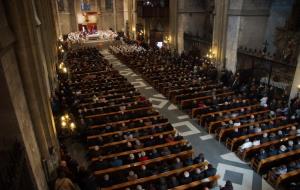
(220, 31)
(115, 15)
(173, 20)
(296, 81)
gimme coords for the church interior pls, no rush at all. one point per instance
(150, 94)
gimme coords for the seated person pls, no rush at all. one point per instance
(132, 176)
(297, 145)
(262, 154)
(173, 182)
(245, 145)
(197, 174)
(290, 146)
(272, 151)
(282, 149)
(211, 171)
(186, 178)
(143, 172)
(177, 164)
(106, 182)
(116, 162)
(265, 138)
(200, 158)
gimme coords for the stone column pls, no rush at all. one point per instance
(132, 18)
(25, 69)
(220, 31)
(115, 15)
(296, 82)
(26, 24)
(126, 13)
(56, 18)
(74, 10)
(173, 19)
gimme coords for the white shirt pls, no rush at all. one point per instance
(256, 142)
(246, 145)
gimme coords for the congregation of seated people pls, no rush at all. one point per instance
(129, 144)
(249, 117)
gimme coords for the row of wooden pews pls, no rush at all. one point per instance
(241, 122)
(130, 145)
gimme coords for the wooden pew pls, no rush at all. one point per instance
(205, 97)
(258, 165)
(283, 178)
(116, 143)
(195, 111)
(173, 93)
(111, 88)
(118, 112)
(233, 143)
(147, 162)
(250, 151)
(118, 88)
(202, 117)
(211, 179)
(123, 121)
(211, 125)
(115, 106)
(140, 150)
(194, 89)
(127, 130)
(165, 89)
(109, 98)
(129, 101)
(155, 177)
(222, 133)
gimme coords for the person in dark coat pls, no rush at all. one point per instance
(211, 171)
(186, 178)
(228, 186)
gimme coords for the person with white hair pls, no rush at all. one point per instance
(264, 138)
(139, 187)
(129, 146)
(132, 176)
(130, 159)
(282, 149)
(252, 119)
(106, 182)
(138, 144)
(197, 174)
(293, 131)
(143, 156)
(290, 146)
(177, 164)
(186, 178)
(143, 172)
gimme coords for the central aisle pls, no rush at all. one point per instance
(228, 165)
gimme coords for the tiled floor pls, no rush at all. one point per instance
(228, 165)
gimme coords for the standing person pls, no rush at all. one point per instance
(228, 186)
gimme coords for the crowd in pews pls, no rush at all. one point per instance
(129, 144)
(247, 116)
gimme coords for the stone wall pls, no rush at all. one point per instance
(72, 15)
(279, 13)
(191, 20)
(247, 23)
(27, 56)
